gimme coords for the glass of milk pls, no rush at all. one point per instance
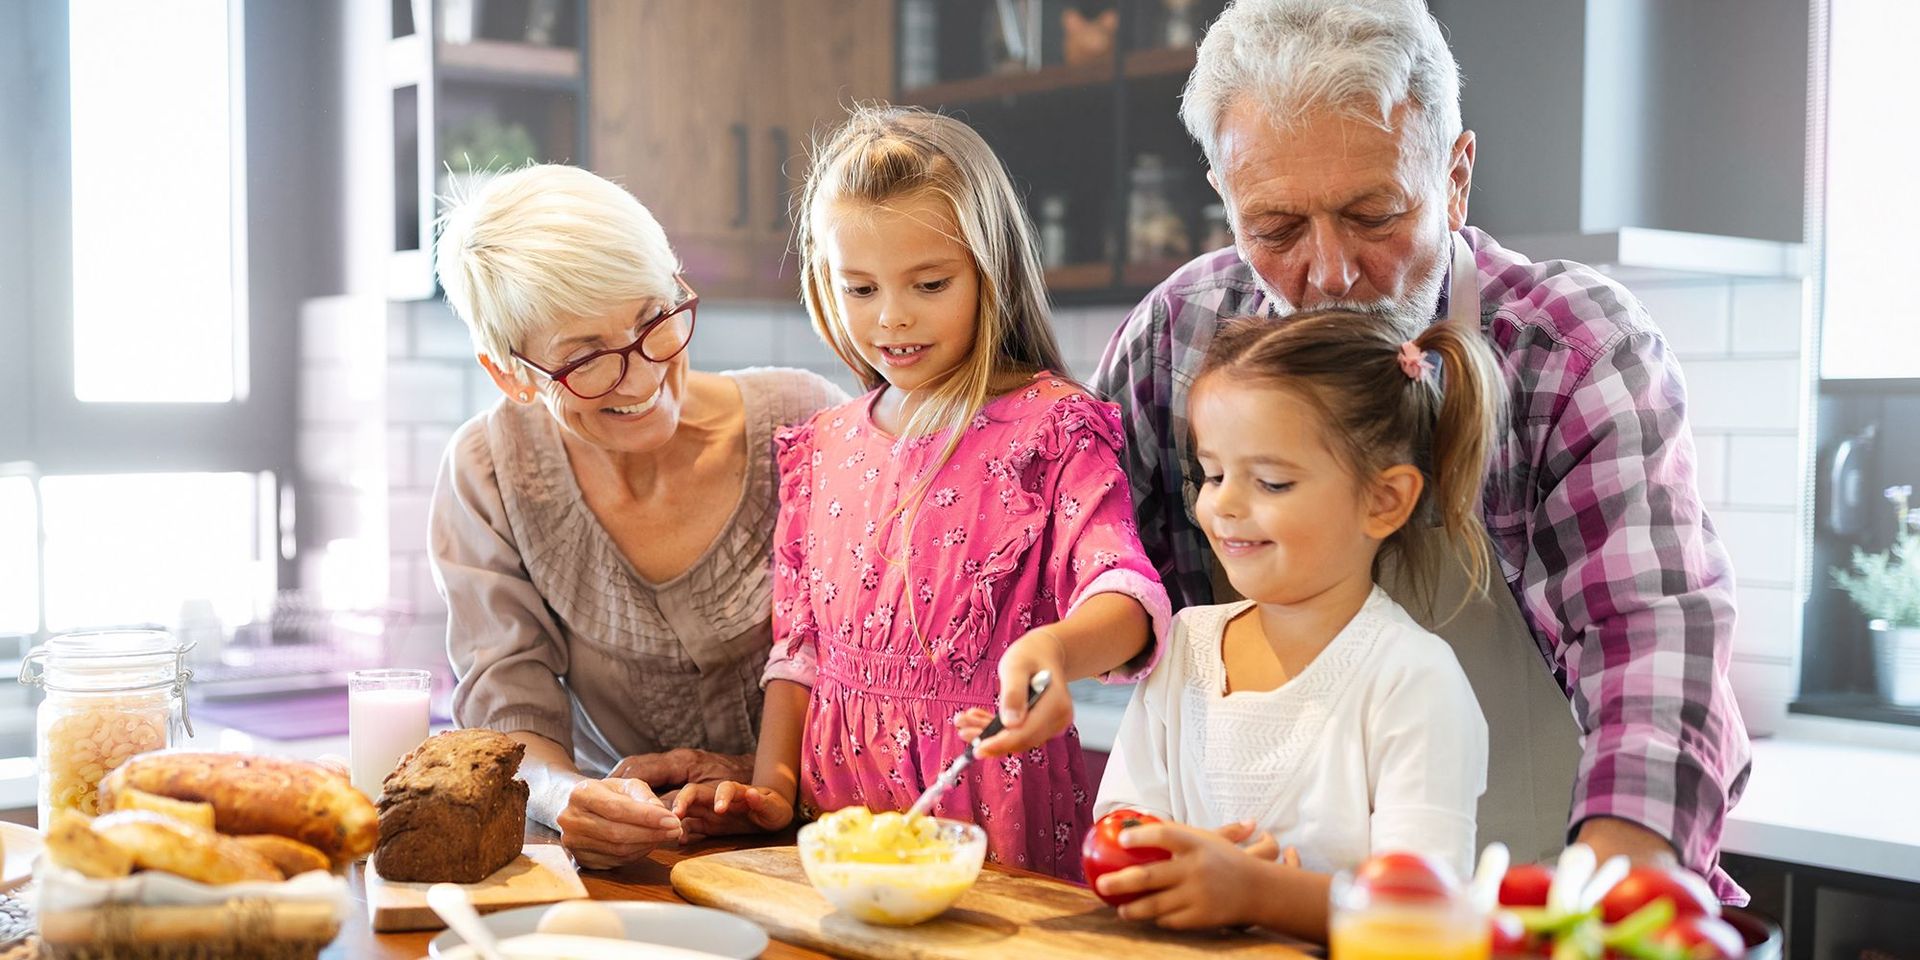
(386, 718)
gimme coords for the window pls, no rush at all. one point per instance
(19, 556)
(1860, 159)
(133, 548)
(156, 265)
(1872, 198)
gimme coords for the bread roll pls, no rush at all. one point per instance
(161, 843)
(297, 799)
(196, 814)
(71, 843)
(291, 857)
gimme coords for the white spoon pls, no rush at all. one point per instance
(451, 903)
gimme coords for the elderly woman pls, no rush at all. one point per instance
(603, 534)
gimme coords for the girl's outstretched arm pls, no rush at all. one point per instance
(1104, 632)
(768, 803)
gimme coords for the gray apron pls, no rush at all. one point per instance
(1533, 741)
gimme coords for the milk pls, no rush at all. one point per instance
(383, 725)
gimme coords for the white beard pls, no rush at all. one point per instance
(1412, 313)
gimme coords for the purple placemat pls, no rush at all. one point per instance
(291, 716)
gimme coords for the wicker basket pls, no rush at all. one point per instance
(159, 916)
(239, 928)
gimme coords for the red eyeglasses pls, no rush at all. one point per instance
(601, 372)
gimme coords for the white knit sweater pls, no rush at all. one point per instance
(1377, 745)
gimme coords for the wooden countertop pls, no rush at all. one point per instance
(643, 881)
(649, 881)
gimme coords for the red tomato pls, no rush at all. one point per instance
(1101, 853)
(1704, 938)
(1526, 885)
(1408, 875)
(1509, 934)
(1643, 885)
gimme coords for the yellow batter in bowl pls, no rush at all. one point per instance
(888, 869)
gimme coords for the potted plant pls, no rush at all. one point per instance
(480, 149)
(1886, 587)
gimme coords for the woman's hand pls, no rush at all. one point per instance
(711, 810)
(667, 772)
(1036, 651)
(616, 821)
(1211, 881)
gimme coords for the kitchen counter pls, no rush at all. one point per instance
(1836, 806)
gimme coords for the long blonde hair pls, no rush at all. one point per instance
(885, 154)
(1446, 422)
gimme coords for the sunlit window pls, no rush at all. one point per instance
(135, 548)
(19, 569)
(157, 200)
(1872, 197)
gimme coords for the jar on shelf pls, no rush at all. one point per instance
(1219, 228)
(110, 694)
(1053, 230)
(1154, 230)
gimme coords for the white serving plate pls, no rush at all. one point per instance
(23, 847)
(687, 927)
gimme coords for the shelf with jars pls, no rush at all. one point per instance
(1080, 99)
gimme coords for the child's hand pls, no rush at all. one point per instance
(1210, 881)
(677, 768)
(1036, 651)
(711, 810)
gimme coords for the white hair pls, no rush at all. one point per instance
(1361, 57)
(543, 244)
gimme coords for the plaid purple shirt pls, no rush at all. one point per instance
(1590, 501)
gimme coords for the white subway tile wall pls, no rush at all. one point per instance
(1695, 316)
(1738, 342)
(1739, 345)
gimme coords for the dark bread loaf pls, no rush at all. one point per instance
(452, 810)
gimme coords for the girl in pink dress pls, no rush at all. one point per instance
(960, 527)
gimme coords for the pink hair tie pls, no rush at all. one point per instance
(1414, 362)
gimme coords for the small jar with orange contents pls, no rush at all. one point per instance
(110, 694)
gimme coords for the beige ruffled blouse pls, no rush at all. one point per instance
(553, 632)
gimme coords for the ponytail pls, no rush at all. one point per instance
(1466, 428)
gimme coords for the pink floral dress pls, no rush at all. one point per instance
(898, 622)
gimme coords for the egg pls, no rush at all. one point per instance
(582, 918)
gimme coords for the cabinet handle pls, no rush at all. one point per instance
(782, 214)
(740, 210)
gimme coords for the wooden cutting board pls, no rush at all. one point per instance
(541, 874)
(1004, 915)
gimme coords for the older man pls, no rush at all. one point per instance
(1332, 130)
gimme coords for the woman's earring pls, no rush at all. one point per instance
(525, 396)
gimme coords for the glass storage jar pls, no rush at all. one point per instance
(110, 694)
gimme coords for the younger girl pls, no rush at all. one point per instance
(961, 526)
(1317, 711)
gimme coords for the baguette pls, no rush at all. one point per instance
(296, 799)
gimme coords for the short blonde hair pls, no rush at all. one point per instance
(547, 243)
(885, 154)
